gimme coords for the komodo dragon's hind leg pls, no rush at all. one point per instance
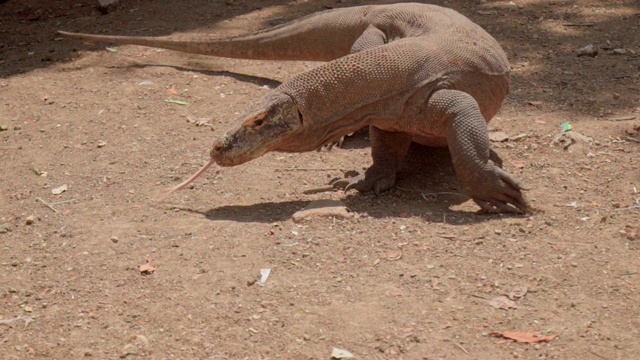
(387, 150)
(466, 129)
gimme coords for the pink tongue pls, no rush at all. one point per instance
(189, 180)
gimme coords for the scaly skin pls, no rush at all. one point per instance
(412, 72)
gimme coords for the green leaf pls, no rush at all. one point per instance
(176, 101)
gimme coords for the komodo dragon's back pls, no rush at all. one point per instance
(451, 33)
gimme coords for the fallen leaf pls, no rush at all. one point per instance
(338, 353)
(630, 232)
(147, 268)
(498, 136)
(518, 292)
(264, 275)
(59, 190)
(503, 302)
(524, 337)
(176, 101)
(536, 103)
(172, 90)
(394, 255)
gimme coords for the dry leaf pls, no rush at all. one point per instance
(394, 255)
(524, 337)
(147, 268)
(535, 103)
(502, 302)
(518, 292)
(172, 90)
(59, 190)
(630, 232)
(498, 136)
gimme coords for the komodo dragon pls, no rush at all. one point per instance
(412, 72)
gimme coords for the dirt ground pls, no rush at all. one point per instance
(414, 274)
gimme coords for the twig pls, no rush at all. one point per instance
(424, 195)
(622, 118)
(461, 348)
(318, 189)
(574, 25)
(629, 138)
(478, 296)
(47, 205)
(637, 206)
(62, 202)
(598, 355)
(308, 169)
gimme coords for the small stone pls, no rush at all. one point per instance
(101, 143)
(115, 239)
(616, 96)
(28, 309)
(588, 50)
(30, 219)
(323, 208)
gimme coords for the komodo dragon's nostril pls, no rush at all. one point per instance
(217, 148)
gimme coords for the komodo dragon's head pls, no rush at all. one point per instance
(268, 125)
(274, 123)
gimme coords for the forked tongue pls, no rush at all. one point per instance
(188, 181)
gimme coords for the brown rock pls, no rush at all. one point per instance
(322, 208)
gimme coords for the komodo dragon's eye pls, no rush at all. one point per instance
(258, 122)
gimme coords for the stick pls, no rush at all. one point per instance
(308, 169)
(600, 356)
(318, 189)
(62, 202)
(622, 118)
(629, 138)
(585, 24)
(424, 195)
(47, 205)
(461, 348)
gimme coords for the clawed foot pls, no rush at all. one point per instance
(495, 190)
(371, 180)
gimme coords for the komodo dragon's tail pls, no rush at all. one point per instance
(321, 36)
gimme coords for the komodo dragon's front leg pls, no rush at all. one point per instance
(455, 115)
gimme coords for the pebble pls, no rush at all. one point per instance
(588, 50)
(30, 219)
(115, 239)
(323, 208)
(127, 350)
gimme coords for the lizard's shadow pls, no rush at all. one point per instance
(427, 188)
(252, 79)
